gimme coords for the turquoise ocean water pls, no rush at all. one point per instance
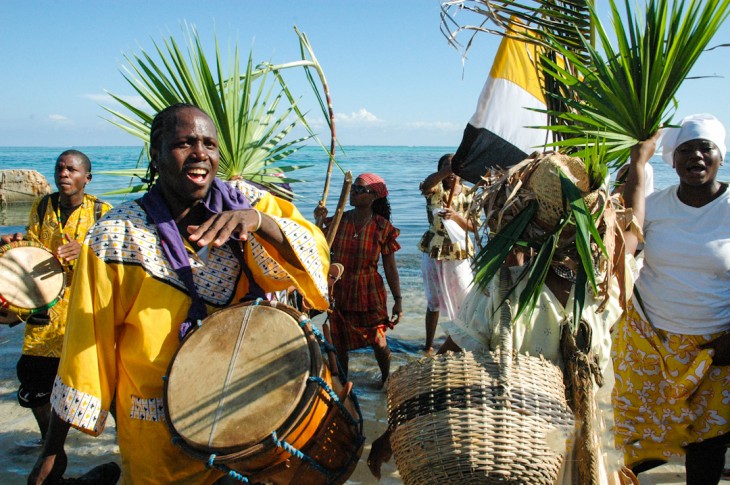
(402, 168)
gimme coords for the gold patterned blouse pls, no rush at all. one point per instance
(435, 241)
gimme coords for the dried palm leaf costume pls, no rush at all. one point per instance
(525, 205)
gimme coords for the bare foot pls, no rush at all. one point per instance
(383, 383)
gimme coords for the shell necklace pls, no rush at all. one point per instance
(356, 231)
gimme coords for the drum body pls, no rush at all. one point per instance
(251, 387)
(31, 278)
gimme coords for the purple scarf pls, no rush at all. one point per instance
(221, 197)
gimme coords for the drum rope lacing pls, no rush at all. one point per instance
(328, 347)
(324, 345)
(334, 398)
(330, 474)
(225, 469)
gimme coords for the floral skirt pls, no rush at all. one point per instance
(667, 393)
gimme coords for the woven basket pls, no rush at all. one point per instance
(479, 418)
(545, 183)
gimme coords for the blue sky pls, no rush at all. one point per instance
(393, 77)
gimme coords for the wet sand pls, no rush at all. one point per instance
(85, 452)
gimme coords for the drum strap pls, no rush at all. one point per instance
(43, 205)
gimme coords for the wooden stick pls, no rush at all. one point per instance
(344, 194)
(451, 193)
(333, 138)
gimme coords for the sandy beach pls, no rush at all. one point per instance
(85, 452)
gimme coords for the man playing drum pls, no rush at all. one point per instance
(150, 270)
(59, 222)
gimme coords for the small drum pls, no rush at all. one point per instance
(250, 391)
(31, 278)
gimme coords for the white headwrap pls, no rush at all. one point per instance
(703, 126)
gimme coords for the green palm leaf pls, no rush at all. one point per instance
(536, 273)
(490, 258)
(585, 227)
(622, 93)
(254, 110)
(579, 297)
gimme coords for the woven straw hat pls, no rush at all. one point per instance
(545, 183)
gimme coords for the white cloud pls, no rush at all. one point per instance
(107, 100)
(435, 125)
(316, 122)
(360, 116)
(56, 118)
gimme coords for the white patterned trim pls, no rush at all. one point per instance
(270, 267)
(79, 409)
(252, 193)
(152, 409)
(125, 236)
(305, 247)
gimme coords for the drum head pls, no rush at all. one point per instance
(237, 378)
(31, 277)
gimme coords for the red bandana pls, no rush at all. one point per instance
(375, 183)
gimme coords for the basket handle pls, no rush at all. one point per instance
(505, 327)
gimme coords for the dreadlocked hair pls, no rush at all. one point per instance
(381, 207)
(160, 124)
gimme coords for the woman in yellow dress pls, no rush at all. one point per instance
(672, 349)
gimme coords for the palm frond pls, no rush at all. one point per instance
(624, 91)
(488, 261)
(564, 19)
(254, 110)
(536, 273)
(585, 227)
(579, 296)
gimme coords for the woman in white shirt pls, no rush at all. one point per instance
(672, 348)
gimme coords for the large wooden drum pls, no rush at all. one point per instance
(249, 390)
(31, 279)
